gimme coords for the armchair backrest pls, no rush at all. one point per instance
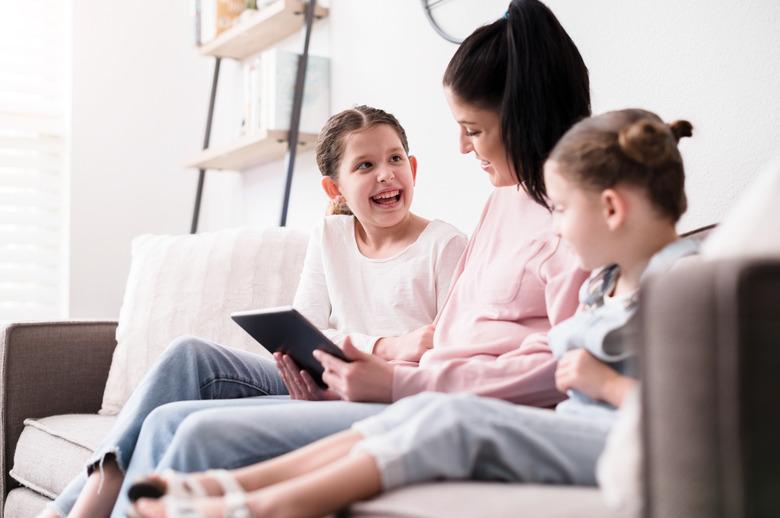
(710, 363)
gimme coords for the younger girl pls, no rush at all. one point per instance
(615, 183)
(381, 275)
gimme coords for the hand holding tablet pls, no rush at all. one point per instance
(285, 330)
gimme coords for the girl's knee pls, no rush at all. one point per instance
(426, 398)
(197, 429)
(165, 416)
(454, 409)
(440, 405)
(184, 349)
(195, 444)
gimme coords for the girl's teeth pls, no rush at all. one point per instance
(390, 194)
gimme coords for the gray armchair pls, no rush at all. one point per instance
(48, 368)
(711, 371)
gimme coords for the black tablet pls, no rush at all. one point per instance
(284, 330)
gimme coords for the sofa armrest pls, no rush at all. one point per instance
(49, 368)
(710, 359)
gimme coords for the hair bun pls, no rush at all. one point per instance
(648, 142)
(680, 129)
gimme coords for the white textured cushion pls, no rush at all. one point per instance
(750, 228)
(189, 285)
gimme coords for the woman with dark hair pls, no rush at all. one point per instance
(514, 86)
(525, 70)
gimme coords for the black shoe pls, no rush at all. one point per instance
(146, 488)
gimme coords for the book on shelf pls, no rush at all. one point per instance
(213, 17)
(269, 86)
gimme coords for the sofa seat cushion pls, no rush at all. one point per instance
(24, 503)
(483, 499)
(71, 437)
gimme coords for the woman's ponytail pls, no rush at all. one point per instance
(526, 67)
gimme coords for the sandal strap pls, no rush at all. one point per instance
(227, 481)
(182, 485)
(181, 508)
(235, 505)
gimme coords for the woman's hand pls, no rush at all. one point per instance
(581, 370)
(299, 383)
(366, 378)
(409, 347)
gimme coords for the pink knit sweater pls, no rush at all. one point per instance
(515, 280)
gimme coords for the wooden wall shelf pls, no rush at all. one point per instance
(269, 25)
(250, 151)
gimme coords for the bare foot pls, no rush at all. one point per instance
(150, 508)
(47, 513)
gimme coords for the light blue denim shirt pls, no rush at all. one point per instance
(608, 330)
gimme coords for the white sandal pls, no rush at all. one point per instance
(182, 492)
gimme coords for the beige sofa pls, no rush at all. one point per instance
(52, 385)
(53, 373)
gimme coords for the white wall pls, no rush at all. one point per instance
(385, 54)
(715, 63)
(139, 97)
(140, 94)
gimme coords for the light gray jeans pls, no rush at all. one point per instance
(207, 406)
(441, 436)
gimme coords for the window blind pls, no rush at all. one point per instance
(33, 90)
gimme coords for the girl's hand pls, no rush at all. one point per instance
(367, 378)
(409, 347)
(580, 370)
(299, 383)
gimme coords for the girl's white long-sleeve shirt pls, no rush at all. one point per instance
(345, 293)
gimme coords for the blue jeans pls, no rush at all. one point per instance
(207, 406)
(434, 436)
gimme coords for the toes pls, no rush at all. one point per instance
(150, 508)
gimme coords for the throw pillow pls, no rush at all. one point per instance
(189, 285)
(750, 228)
